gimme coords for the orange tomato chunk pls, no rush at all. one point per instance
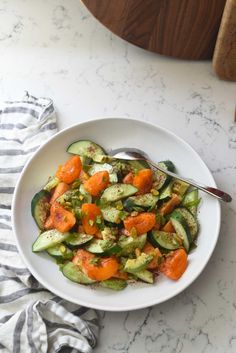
(97, 183)
(142, 223)
(70, 170)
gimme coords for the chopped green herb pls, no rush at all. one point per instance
(160, 219)
(98, 219)
(95, 261)
(123, 215)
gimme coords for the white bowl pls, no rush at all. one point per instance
(159, 144)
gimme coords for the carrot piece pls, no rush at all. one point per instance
(101, 270)
(170, 205)
(142, 223)
(155, 252)
(49, 223)
(63, 220)
(97, 183)
(90, 212)
(175, 264)
(83, 176)
(143, 181)
(129, 178)
(59, 190)
(70, 170)
(168, 227)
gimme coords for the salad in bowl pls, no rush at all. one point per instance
(113, 222)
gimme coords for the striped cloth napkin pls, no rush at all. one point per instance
(31, 318)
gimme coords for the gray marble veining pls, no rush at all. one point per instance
(56, 48)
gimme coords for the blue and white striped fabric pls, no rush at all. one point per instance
(31, 318)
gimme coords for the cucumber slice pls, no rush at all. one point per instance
(73, 273)
(161, 179)
(137, 165)
(87, 196)
(144, 201)
(118, 191)
(86, 148)
(103, 247)
(111, 214)
(49, 239)
(40, 207)
(95, 168)
(145, 276)
(114, 283)
(168, 165)
(129, 244)
(52, 183)
(166, 192)
(60, 252)
(191, 201)
(77, 239)
(190, 219)
(138, 264)
(164, 240)
(181, 229)
(180, 187)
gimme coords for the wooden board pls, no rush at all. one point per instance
(224, 60)
(184, 29)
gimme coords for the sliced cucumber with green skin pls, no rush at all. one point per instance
(145, 276)
(161, 178)
(190, 219)
(129, 244)
(74, 273)
(86, 148)
(164, 240)
(144, 201)
(40, 207)
(78, 239)
(180, 187)
(85, 161)
(60, 251)
(138, 264)
(169, 165)
(166, 192)
(137, 165)
(118, 191)
(111, 214)
(191, 201)
(95, 168)
(52, 183)
(87, 196)
(114, 283)
(181, 228)
(49, 239)
(102, 247)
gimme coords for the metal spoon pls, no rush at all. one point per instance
(136, 154)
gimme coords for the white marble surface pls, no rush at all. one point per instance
(56, 48)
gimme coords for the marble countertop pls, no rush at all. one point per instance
(56, 48)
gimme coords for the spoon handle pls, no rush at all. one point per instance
(219, 194)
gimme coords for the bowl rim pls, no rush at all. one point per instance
(98, 306)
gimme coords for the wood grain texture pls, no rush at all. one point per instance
(224, 59)
(184, 29)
